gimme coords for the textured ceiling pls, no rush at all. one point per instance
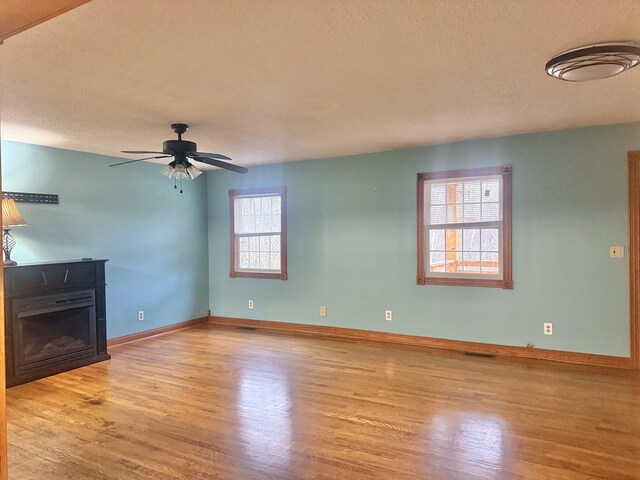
(281, 80)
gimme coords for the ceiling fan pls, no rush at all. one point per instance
(182, 151)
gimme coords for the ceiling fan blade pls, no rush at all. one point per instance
(138, 160)
(221, 164)
(217, 156)
(141, 151)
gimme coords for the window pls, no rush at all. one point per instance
(464, 228)
(259, 233)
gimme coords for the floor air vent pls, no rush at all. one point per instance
(247, 328)
(478, 354)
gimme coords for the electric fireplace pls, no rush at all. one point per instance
(54, 318)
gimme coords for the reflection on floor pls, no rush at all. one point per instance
(218, 403)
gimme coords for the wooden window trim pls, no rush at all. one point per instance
(506, 282)
(634, 257)
(282, 191)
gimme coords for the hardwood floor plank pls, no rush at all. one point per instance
(213, 402)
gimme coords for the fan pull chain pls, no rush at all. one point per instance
(174, 183)
(180, 185)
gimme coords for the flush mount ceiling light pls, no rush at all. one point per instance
(594, 61)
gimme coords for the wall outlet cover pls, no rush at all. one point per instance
(616, 252)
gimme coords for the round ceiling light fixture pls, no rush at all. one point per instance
(594, 61)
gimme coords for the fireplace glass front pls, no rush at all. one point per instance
(53, 329)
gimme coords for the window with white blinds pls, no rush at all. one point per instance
(258, 233)
(463, 229)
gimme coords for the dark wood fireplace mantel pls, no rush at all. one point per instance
(55, 318)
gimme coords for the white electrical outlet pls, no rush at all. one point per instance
(250, 304)
(140, 315)
(616, 252)
(388, 316)
(323, 310)
(548, 328)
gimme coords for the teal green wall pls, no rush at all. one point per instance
(352, 243)
(351, 240)
(155, 238)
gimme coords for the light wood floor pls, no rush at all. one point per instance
(216, 403)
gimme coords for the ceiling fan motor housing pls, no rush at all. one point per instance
(173, 147)
(181, 150)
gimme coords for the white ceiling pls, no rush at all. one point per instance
(281, 80)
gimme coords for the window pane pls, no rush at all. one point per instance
(472, 212)
(490, 212)
(275, 261)
(472, 192)
(436, 240)
(438, 215)
(257, 205)
(257, 214)
(275, 243)
(266, 204)
(268, 223)
(245, 224)
(244, 260)
(245, 205)
(254, 260)
(471, 262)
(452, 193)
(471, 238)
(490, 191)
(276, 223)
(468, 201)
(256, 252)
(275, 204)
(490, 263)
(459, 193)
(454, 263)
(437, 262)
(490, 240)
(454, 213)
(259, 224)
(438, 195)
(265, 260)
(453, 240)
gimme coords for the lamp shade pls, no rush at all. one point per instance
(11, 217)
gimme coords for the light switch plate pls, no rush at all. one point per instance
(616, 252)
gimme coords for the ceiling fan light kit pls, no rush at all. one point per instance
(593, 62)
(179, 172)
(182, 151)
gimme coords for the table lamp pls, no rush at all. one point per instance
(11, 217)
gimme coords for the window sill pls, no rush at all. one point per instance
(466, 282)
(273, 276)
